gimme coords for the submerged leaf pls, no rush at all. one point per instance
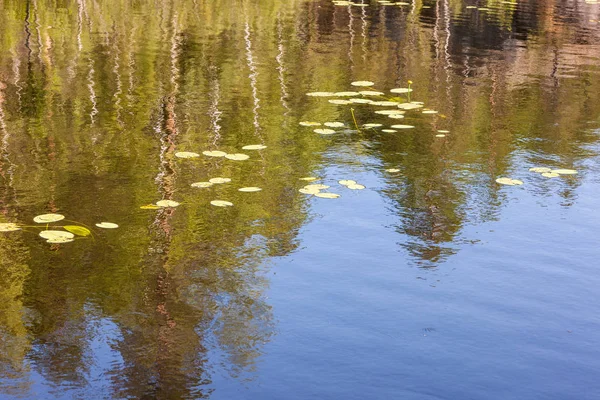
(107, 225)
(78, 230)
(254, 147)
(47, 218)
(9, 227)
(167, 203)
(221, 203)
(201, 184)
(186, 154)
(214, 153)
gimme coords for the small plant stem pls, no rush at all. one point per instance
(354, 118)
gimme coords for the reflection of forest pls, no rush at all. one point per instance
(95, 96)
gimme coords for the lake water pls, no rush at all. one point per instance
(432, 282)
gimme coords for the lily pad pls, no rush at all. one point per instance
(201, 184)
(509, 181)
(443, 131)
(429, 112)
(356, 186)
(219, 180)
(362, 83)
(339, 101)
(167, 203)
(440, 135)
(250, 189)
(409, 106)
(221, 203)
(309, 123)
(540, 169)
(550, 174)
(254, 147)
(372, 125)
(389, 112)
(402, 126)
(347, 182)
(401, 90)
(396, 116)
(318, 186)
(78, 230)
(186, 154)
(347, 94)
(237, 156)
(389, 130)
(371, 93)
(334, 124)
(309, 178)
(309, 191)
(320, 94)
(9, 227)
(385, 103)
(50, 234)
(327, 195)
(361, 101)
(214, 153)
(324, 131)
(48, 218)
(107, 225)
(392, 170)
(564, 171)
(59, 240)
(150, 207)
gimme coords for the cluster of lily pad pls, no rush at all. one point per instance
(543, 171)
(56, 234)
(381, 2)
(315, 189)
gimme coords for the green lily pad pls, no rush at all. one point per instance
(440, 135)
(309, 191)
(107, 225)
(389, 130)
(78, 230)
(372, 125)
(320, 94)
(318, 186)
(429, 112)
(409, 106)
(48, 218)
(371, 93)
(186, 154)
(9, 227)
(309, 178)
(392, 170)
(443, 131)
(347, 94)
(221, 203)
(361, 101)
(60, 240)
(384, 103)
(396, 116)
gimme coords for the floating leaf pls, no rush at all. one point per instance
(250, 189)
(550, 174)
(540, 169)
(409, 106)
(254, 147)
(372, 125)
(167, 203)
(361, 101)
(107, 225)
(356, 186)
(310, 123)
(309, 191)
(389, 130)
(443, 131)
(440, 135)
(371, 93)
(429, 112)
(50, 234)
(346, 182)
(347, 94)
(392, 170)
(219, 180)
(327, 195)
(201, 184)
(509, 181)
(186, 154)
(318, 186)
(78, 230)
(221, 203)
(402, 126)
(214, 153)
(389, 112)
(320, 94)
(362, 83)
(309, 178)
(334, 124)
(9, 227)
(150, 207)
(564, 171)
(396, 116)
(237, 156)
(401, 90)
(339, 102)
(47, 218)
(325, 131)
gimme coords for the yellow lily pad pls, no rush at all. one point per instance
(214, 153)
(219, 180)
(564, 171)
(402, 126)
(186, 154)
(509, 181)
(78, 230)
(440, 135)
(254, 147)
(237, 156)
(167, 203)
(250, 189)
(443, 131)
(107, 225)
(327, 195)
(9, 227)
(48, 218)
(221, 203)
(201, 184)
(324, 131)
(362, 83)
